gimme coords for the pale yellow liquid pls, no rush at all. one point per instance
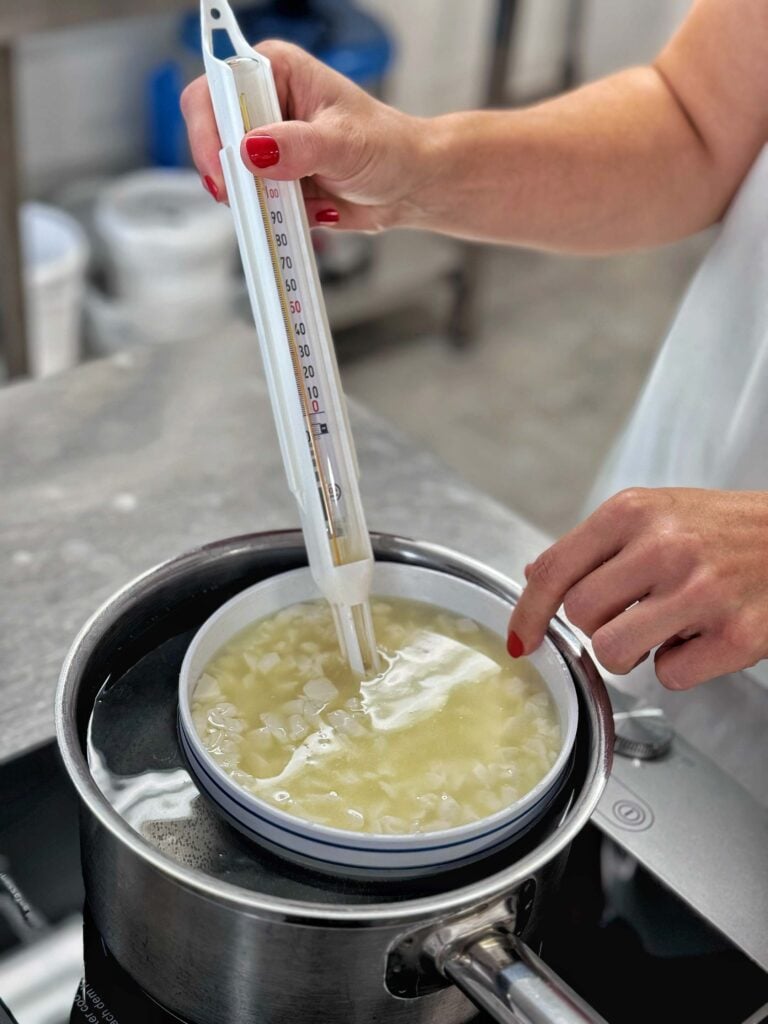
(452, 730)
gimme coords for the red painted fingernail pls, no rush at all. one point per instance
(211, 186)
(329, 216)
(262, 150)
(514, 645)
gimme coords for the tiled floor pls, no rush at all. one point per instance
(530, 409)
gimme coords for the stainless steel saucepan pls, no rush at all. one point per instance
(255, 943)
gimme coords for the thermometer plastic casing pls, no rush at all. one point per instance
(294, 336)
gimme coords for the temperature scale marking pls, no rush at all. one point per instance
(313, 429)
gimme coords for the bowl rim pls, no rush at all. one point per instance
(347, 839)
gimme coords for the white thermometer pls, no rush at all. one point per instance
(296, 346)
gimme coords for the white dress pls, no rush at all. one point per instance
(702, 421)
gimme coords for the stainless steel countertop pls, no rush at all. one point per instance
(122, 463)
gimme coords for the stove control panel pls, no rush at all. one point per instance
(688, 823)
(643, 733)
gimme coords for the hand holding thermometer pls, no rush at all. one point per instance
(297, 350)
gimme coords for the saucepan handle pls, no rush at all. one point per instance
(506, 979)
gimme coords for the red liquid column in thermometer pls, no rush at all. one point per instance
(302, 334)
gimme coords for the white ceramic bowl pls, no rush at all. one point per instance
(365, 854)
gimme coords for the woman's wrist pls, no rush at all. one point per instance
(454, 155)
(430, 172)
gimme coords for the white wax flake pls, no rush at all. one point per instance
(515, 687)
(312, 710)
(346, 723)
(276, 725)
(390, 825)
(320, 689)
(435, 778)
(224, 716)
(268, 663)
(293, 707)
(535, 745)
(354, 820)
(207, 688)
(290, 614)
(22, 558)
(297, 727)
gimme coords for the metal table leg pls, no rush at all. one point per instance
(571, 71)
(11, 273)
(466, 278)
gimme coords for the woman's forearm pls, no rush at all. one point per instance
(643, 157)
(614, 165)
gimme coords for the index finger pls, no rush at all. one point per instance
(553, 574)
(204, 141)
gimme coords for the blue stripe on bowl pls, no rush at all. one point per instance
(376, 869)
(194, 757)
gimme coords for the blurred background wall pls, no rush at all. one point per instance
(80, 91)
(80, 97)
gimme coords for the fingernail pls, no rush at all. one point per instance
(329, 216)
(262, 150)
(514, 645)
(211, 186)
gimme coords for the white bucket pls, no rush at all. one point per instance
(170, 252)
(55, 252)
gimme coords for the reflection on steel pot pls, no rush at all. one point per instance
(215, 929)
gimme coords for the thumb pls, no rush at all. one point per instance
(290, 150)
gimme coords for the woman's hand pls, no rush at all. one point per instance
(361, 160)
(679, 569)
